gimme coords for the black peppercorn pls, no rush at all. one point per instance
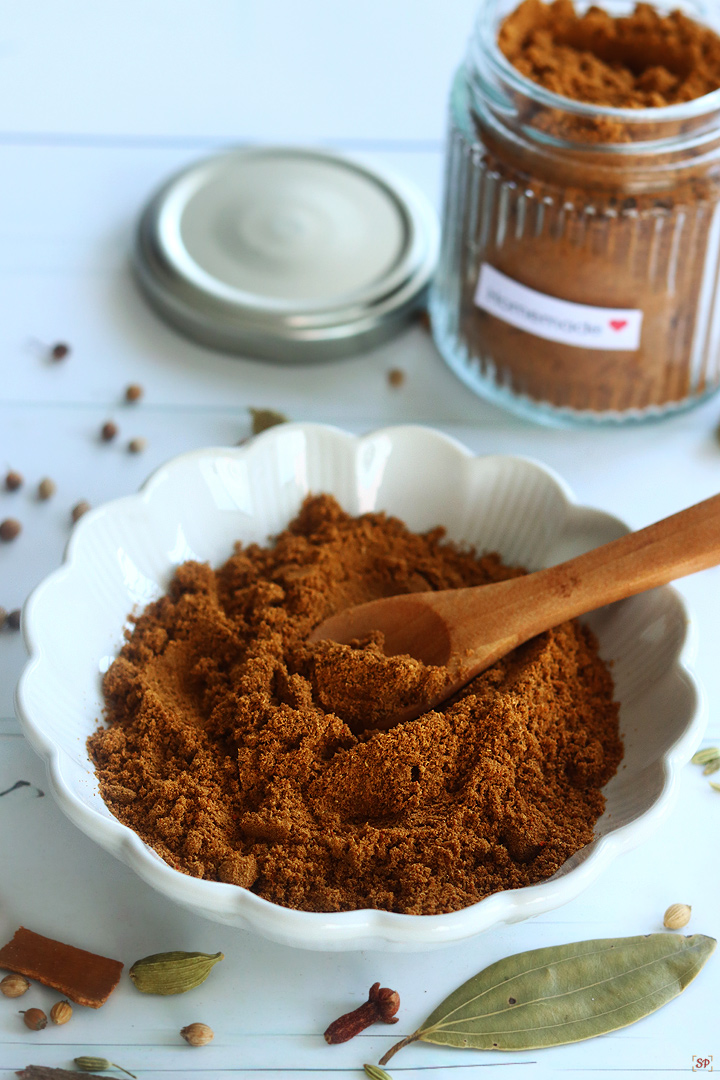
(9, 529)
(13, 480)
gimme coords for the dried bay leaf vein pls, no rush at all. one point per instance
(644, 973)
(562, 1023)
(553, 997)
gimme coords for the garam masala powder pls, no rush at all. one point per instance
(242, 754)
(579, 275)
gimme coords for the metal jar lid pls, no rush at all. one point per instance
(286, 253)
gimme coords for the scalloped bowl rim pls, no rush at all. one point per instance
(364, 928)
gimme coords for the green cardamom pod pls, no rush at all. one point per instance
(96, 1064)
(376, 1073)
(172, 972)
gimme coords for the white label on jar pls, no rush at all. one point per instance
(557, 320)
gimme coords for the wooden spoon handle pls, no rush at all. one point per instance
(672, 548)
(682, 544)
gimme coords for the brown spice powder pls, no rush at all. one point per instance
(642, 60)
(568, 208)
(242, 754)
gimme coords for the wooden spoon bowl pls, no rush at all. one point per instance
(467, 630)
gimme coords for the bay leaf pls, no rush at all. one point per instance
(564, 993)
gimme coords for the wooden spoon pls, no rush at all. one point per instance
(467, 630)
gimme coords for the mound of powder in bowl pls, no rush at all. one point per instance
(232, 749)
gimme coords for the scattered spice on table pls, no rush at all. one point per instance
(133, 393)
(396, 377)
(709, 758)
(137, 445)
(677, 916)
(35, 1019)
(87, 1063)
(197, 1034)
(84, 977)
(79, 509)
(10, 529)
(424, 320)
(108, 431)
(46, 488)
(45, 1072)
(14, 986)
(61, 1012)
(262, 419)
(381, 1006)
(376, 1073)
(13, 480)
(13, 619)
(173, 972)
(59, 351)
(231, 741)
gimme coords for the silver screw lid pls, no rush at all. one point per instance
(286, 253)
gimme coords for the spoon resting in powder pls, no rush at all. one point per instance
(467, 630)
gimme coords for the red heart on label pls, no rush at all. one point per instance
(618, 324)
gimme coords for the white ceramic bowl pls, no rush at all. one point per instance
(122, 555)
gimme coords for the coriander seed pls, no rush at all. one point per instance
(133, 392)
(61, 1012)
(9, 529)
(13, 480)
(197, 1034)
(46, 488)
(13, 619)
(136, 446)
(79, 509)
(677, 916)
(60, 351)
(108, 431)
(396, 377)
(35, 1019)
(14, 986)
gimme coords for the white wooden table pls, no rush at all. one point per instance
(98, 104)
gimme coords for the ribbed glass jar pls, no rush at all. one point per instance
(579, 273)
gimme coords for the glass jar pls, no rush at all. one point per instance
(580, 262)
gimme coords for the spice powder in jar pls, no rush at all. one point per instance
(578, 278)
